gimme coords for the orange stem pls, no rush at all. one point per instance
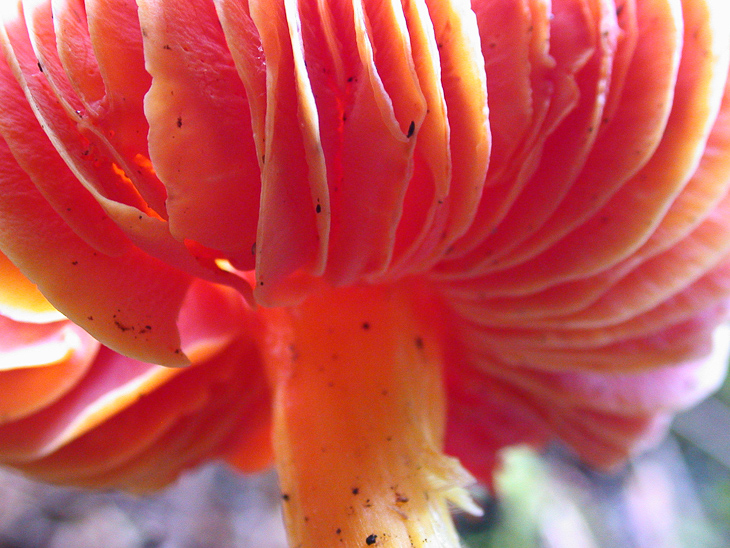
(358, 421)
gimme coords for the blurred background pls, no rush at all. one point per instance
(676, 496)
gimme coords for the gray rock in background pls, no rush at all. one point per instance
(211, 507)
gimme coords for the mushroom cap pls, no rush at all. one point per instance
(555, 175)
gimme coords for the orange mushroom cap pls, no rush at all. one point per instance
(368, 229)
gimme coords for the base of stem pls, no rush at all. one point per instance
(358, 421)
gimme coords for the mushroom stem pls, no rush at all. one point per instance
(358, 422)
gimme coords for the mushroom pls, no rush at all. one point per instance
(372, 242)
